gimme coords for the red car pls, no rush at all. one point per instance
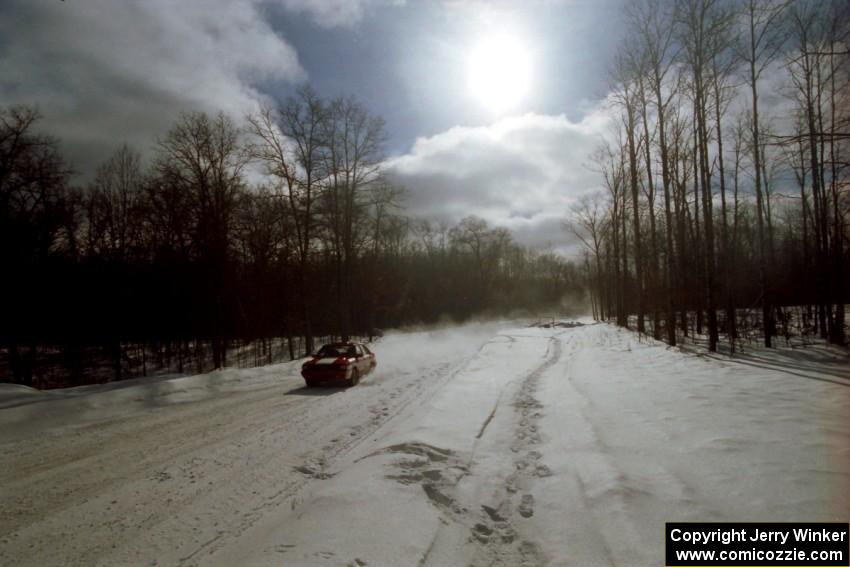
(339, 362)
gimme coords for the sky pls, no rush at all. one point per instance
(511, 146)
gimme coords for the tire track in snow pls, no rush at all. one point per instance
(318, 465)
(607, 495)
(492, 529)
(489, 417)
(179, 482)
(503, 544)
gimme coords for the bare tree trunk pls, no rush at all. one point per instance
(669, 273)
(624, 257)
(698, 241)
(705, 181)
(837, 336)
(650, 197)
(758, 52)
(633, 179)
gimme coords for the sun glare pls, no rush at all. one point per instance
(499, 72)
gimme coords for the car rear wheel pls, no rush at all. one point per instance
(355, 377)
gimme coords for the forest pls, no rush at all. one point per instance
(718, 219)
(236, 245)
(721, 214)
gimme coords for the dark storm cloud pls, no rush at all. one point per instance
(104, 72)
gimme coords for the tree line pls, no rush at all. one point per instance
(716, 214)
(267, 235)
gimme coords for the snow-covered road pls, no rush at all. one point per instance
(472, 445)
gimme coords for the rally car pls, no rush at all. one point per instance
(343, 363)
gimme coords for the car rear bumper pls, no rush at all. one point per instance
(325, 376)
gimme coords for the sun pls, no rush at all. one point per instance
(499, 72)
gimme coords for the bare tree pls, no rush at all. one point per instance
(384, 201)
(610, 162)
(704, 27)
(625, 77)
(354, 144)
(114, 201)
(819, 62)
(33, 201)
(760, 44)
(205, 157)
(487, 247)
(291, 144)
(653, 25)
(587, 223)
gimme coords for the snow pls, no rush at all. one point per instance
(485, 444)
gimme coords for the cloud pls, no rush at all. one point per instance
(335, 13)
(521, 173)
(104, 72)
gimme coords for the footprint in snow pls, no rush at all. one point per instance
(283, 547)
(526, 506)
(482, 532)
(493, 513)
(542, 471)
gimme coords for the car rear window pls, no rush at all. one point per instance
(332, 351)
